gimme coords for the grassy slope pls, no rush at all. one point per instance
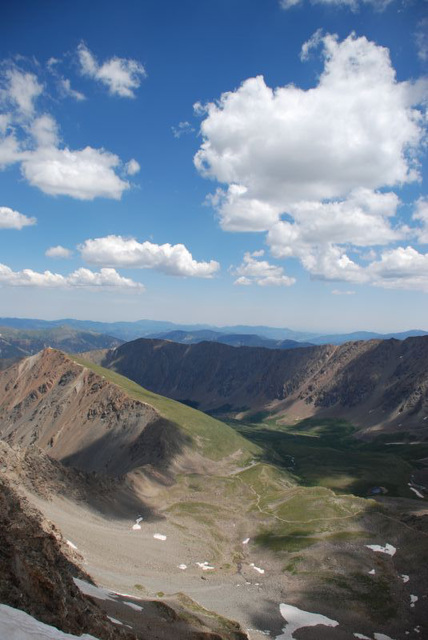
(327, 455)
(216, 439)
(266, 491)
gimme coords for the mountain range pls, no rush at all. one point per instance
(155, 328)
(177, 514)
(372, 383)
(18, 343)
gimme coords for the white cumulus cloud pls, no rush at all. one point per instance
(401, 268)
(10, 219)
(261, 272)
(81, 278)
(122, 76)
(316, 167)
(84, 174)
(331, 263)
(32, 140)
(58, 252)
(173, 260)
(361, 220)
(272, 149)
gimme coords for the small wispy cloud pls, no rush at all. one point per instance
(337, 292)
(122, 76)
(182, 128)
(58, 252)
(10, 219)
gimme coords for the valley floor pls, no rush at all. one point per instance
(149, 562)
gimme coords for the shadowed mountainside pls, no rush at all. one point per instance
(375, 382)
(111, 426)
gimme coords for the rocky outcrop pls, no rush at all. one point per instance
(36, 571)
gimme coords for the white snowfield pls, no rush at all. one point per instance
(18, 625)
(388, 548)
(297, 619)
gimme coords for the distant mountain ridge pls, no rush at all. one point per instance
(19, 343)
(375, 382)
(144, 328)
(232, 339)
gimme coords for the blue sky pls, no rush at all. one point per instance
(215, 161)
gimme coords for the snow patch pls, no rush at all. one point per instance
(18, 625)
(159, 536)
(257, 568)
(388, 548)
(361, 637)
(372, 572)
(137, 525)
(413, 600)
(133, 606)
(114, 620)
(296, 619)
(404, 578)
(183, 567)
(246, 541)
(93, 591)
(418, 493)
(205, 566)
(70, 544)
(382, 636)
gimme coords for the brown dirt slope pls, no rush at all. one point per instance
(81, 419)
